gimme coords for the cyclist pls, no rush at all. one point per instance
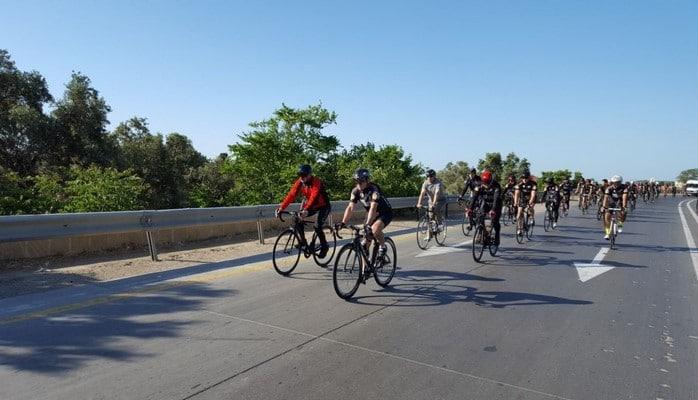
(616, 197)
(471, 183)
(316, 202)
(379, 212)
(525, 197)
(433, 188)
(566, 190)
(585, 190)
(552, 197)
(487, 199)
(508, 192)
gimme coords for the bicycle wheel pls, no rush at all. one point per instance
(465, 225)
(384, 270)
(613, 235)
(530, 223)
(331, 241)
(547, 222)
(520, 231)
(479, 243)
(287, 252)
(423, 233)
(440, 234)
(490, 243)
(347, 271)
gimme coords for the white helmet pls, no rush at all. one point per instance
(616, 178)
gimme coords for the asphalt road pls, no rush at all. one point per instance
(526, 324)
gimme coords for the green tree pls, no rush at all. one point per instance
(393, 170)
(81, 120)
(493, 163)
(453, 176)
(265, 160)
(95, 189)
(687, 174)
(558, 176)
(211, 185)
(24, 128)
(578, 177)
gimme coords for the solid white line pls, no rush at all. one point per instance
(388, 355)
(695, 216)
(689, 240)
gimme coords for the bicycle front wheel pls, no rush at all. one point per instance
(347, 271)
(384, 269)
(479, 243)
(530, 223)
(287, 252)
(331, 242)
(440, 234)
(423, 233)
(547, 222)
(465, 225)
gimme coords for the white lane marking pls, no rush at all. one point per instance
(435, 251)
(689, 240)
(690, 208)
(594, 268)
(389, 355)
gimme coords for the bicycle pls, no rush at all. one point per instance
(549, 219)
(524, 226)
(353, 266)
(467, 224)
(483, 237)
(290, 244)
(564, 210)
(428, 227)
(614, 227)
(585, 204)
(508, 211)
(599, 212)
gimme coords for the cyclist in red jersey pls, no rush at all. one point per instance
(316, 202)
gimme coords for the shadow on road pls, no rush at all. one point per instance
(56, 345)
(424, 288)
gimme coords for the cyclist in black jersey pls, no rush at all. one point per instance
(566, 190)
(379, 212)
(525, 197)
(616, 196)
(552, 197)
(471, 183)
(488, 199)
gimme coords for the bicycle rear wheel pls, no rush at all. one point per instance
(465, 225)
(287, 252)
(384, 270)
(423, 233)
(490, 242)
(347, 271)
(479, 243)
(331, 242)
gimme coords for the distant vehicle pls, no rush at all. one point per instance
(692, 187)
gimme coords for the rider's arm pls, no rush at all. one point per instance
(625, 199)
(348, 212)
(372, 213)
(421, 195)
(532, 200)
(291, 196)
(606, 199)
(438, 193)
(517, 194)
(465, 188)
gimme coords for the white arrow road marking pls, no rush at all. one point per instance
(594, 268)
(436, 251)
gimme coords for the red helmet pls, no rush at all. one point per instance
(486, 177)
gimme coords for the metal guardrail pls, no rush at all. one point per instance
(49, 226)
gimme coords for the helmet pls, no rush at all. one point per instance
(486, 177)
(550, 181)
(616, 178)
(605, 180)
(430, 173)
(362, 174)
(304, 170)
(473, 171)
(526, 173)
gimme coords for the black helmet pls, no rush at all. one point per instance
(430, 173)
(304, 170)
(362, 174)
(473, 171)
(526, 173)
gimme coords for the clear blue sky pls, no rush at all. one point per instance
(446, 80)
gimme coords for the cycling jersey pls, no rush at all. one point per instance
(615, 195)
(552, 194)
(525, 188)
(471, 184)
(487, 197)
(372, 194)
(314, 192)
(431, 189)
(566, 187)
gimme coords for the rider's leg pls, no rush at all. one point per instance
(496, 225)
(322, 215)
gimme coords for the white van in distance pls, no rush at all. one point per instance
(692, 187)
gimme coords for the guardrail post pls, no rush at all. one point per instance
(151, 246)
(260, 227)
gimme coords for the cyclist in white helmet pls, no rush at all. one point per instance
(616, 196)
